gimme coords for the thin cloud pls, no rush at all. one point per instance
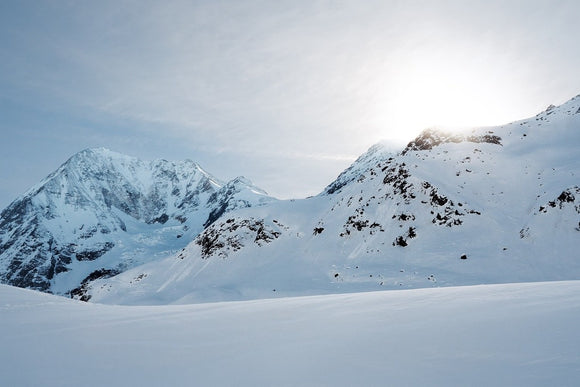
(310, 81)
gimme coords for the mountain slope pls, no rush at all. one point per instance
(102, 212)
(491, 205)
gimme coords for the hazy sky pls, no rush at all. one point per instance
(287, 93)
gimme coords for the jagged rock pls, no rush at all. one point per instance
(81, 292)
(430, 138)
(222, 238)
(566, 196)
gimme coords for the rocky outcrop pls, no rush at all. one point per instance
(430, 138)
(223, 238)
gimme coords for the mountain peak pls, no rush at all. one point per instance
(245, 183)
(99, 152)
(101, 203)
(375, 154)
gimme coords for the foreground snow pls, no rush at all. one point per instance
(516, 334)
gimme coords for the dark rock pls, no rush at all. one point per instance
(431, 138)
(91, 255)
(567, 197)
(162, 219)
(81, 292)
(400, 241)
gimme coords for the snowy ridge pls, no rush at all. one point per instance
(491, 205)
(102, 212)
(363, 163)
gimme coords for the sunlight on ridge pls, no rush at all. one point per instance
(447, 98)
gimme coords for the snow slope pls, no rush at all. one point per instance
(506, 335)
(489, 205)
(103, 212)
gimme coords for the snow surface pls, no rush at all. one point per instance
(516, 335)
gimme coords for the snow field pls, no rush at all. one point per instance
(516, 334)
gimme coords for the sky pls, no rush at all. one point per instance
(286, 93)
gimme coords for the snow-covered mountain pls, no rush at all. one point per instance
(101, 213)
(489, 205)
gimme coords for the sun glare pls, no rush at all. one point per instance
(448, 98)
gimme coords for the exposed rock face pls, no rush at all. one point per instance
(430, 138)
(81, 292)
(105, 211)
(567, 198)
(234, 234)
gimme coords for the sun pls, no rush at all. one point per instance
(437, 96)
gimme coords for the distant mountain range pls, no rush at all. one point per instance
(489, 205)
